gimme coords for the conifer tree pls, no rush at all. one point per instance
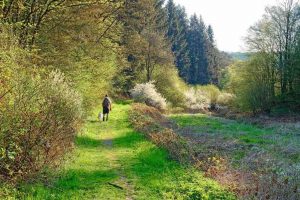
(198, 73)
(177, 26)
(212, 57)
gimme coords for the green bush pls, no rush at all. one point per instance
(212, 92)
(225, 99)
(39, 120)
(170, 85)
(253, 84)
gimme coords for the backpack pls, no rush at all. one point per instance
(106, 102)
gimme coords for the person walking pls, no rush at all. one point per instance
(106, 104)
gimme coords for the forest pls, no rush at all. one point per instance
(188, 120)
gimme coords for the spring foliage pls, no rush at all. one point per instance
(38, 124)
(40, 113)
(252, 84)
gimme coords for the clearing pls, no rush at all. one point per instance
(239, 140)
(262, 160)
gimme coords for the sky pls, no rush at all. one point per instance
(230, 19)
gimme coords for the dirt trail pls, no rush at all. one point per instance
(122, 182)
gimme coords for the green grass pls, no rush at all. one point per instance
(244, 132)
(112, 161)
(277, 143)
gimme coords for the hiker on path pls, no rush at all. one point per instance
(106, 104)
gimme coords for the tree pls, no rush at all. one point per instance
(177, 33)
(156, 52)
(196, 56)
(252, 82)
(296, 58)
(143, 40)
(213, 57)
(27, 17)
(198, 73)
(276, 34)
(272, 74)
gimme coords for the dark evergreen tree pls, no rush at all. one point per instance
(197, 39)
(213, 57)
(210, 33)
(160, 16)
(172, 21)
(177, 26)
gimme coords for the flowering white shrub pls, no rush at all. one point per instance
(67, 96)
(147, 93)
(196, 99)
(211, 92)
(225, 98)
(206, 97)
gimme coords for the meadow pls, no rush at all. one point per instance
(261, 160)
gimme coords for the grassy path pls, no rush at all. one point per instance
(112, 161)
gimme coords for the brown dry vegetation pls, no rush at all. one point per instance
(153, 124)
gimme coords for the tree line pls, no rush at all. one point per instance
(156, 35)
(121, 43)
(142, 28)
(196, 56)
(271, 78)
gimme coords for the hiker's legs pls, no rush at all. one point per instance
(105, 114)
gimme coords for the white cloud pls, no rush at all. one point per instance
(230, 18)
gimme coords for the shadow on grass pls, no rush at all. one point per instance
(74, 184)
(129, 140)
(84, 179)
(149, 167)
(87, 142)
(123, 102)
(93, 121)
(155, 175)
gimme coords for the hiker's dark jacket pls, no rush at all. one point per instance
(106, 104)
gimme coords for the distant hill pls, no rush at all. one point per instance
(239, 56)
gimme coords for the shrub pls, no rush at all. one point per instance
(204, 97)
(284, 184)
(196, 99)
(252, 82)
(38, 124)
(212, 93)
(225, 99)
(170, 85)
(93, 79)
(146, 93)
